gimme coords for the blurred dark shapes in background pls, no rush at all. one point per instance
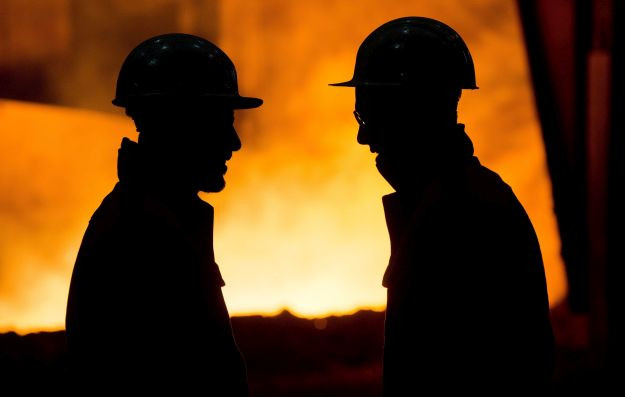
(48, 52)
(291, 356)
(576, 51)
(285, 356)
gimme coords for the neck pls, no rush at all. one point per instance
(154, 171)
(439, 162)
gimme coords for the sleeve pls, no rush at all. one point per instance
(92, 320)
(518, 326)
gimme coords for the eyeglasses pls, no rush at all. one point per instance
(359, 119)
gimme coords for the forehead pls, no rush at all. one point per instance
(180, 109)
(381, 97)
(202, 107)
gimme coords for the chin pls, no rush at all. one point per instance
(213, 185)
(389, 174)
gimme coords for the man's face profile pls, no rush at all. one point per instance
(388, 126)
(193, 140)
(403, 126)
(209, 141)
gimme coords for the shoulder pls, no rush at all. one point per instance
(117, 217)
(493, 200)
(105, 219)
(498, 206)
(100, 241)
(108, 212)
(487, 187)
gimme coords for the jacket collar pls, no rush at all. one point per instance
(404, 211)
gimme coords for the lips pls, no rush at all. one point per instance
(376, 150)
(227, 157)
(216, 166)
(381, 159)
(220, 167)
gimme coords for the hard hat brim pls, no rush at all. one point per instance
(349, 83)
(233, 101)
(244, 102)
(355, 83)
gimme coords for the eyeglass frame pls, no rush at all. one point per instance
(361, 122)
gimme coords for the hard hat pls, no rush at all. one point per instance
(179, 65)
(413, 51)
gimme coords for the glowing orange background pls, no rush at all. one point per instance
(300, 224)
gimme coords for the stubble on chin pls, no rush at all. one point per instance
(213, 185)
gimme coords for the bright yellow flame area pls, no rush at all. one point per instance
(300, 224)
(313, 188)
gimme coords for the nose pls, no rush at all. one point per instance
(235, 141)
(363, 136)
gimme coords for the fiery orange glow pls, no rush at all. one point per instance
(300, 224)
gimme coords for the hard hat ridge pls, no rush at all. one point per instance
(178, 65)
(413, 51)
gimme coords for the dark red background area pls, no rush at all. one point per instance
(291, 356)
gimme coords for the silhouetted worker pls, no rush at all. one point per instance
(467, 309)
(145, 309)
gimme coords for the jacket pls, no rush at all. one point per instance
(467, 307)
(145, 308)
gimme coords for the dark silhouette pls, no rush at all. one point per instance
(467, 307)
(285, 356)
(288, 356)
(145, 309)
